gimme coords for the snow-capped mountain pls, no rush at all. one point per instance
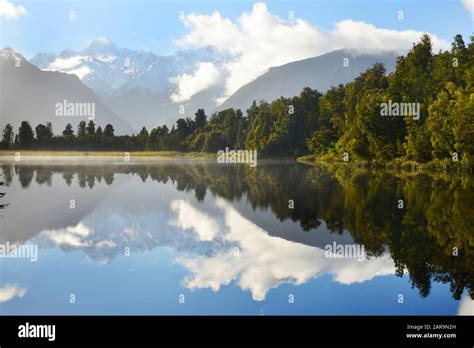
(102, 62)
(136, 85)
(101, 65)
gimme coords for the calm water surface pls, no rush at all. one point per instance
(197, 237)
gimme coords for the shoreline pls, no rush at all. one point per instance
(445, 166)
(399, 165)
(98, 154)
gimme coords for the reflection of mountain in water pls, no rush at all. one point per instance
(126, 208)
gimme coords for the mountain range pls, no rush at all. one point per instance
(136, 85)
(134, 88)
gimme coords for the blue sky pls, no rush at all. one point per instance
(154, 25)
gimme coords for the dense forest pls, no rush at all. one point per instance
(345, 119)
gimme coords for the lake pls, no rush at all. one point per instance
(191, 236)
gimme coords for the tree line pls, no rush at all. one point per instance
(345, 119)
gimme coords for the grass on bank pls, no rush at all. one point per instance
(41, 153)
(399, 164)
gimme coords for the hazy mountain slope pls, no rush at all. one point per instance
(319, 73)
(144, 108)
(28, 93)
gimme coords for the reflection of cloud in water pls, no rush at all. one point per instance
(264, 262)
(207, 235)
(189, 217)
(10, 291)
(70, 236)
(466, 306)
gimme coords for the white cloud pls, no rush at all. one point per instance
(264, 262)
(259, 40)
(70, 236)
(66, 64)
(71, 65)
(469, 5)
(61, 64)
(10, 11)
(188, 217)
(10, 291)
(466, 306)
(205, 75)
(80, 72)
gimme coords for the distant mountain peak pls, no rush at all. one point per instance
(67, 53)
(7, 49)
(103, 40)
(100, 46)
(9, 53)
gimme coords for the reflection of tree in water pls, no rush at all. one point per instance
(423, 238)
(438, 213)
(43, 176)
(25, 174)
(3, 183)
